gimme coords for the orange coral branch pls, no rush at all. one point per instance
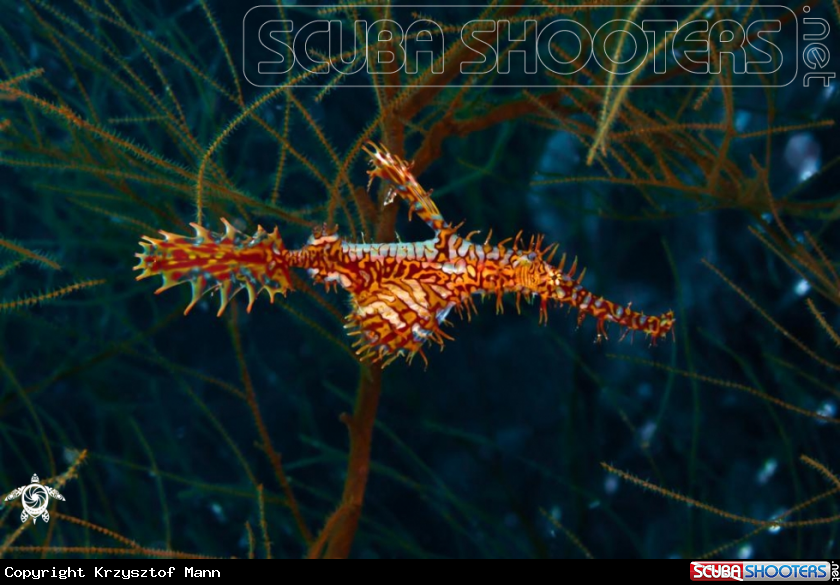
(340, 529)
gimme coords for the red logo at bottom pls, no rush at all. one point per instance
(717, 571)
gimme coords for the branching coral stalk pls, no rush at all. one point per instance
(340, 529)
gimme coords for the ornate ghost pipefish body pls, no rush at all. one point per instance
(401, 293)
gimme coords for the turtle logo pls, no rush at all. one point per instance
(35, 499)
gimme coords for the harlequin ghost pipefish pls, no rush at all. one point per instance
(400, 293)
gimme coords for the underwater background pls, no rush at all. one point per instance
(178, 436)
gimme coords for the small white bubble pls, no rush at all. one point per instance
(767, 471)
(802, 287)
(827, 409)
(218, 511)
(807, 172)
(803, 154)
(646, 432)
(742, 120)
(69, 455)
(775, 516)
(745, 552)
